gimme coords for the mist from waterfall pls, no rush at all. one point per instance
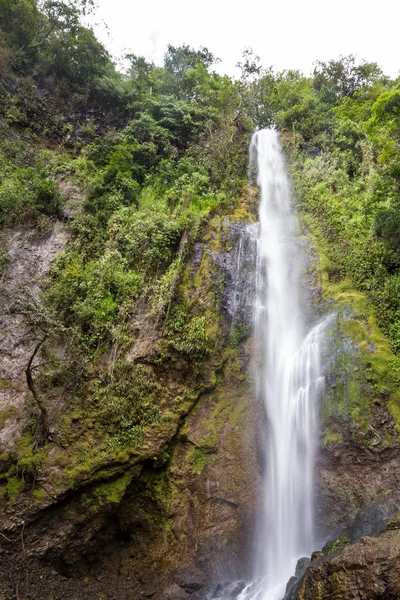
(289, 379)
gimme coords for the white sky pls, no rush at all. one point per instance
(284, 33)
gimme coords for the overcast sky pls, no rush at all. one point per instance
(284, 33)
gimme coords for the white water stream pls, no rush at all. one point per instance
(289, 380)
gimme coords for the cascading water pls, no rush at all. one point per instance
(289, 380)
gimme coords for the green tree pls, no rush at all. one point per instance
(29, 24)
(75, 60)
(343, 77)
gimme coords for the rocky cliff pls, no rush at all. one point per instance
(358, 490)
(368, 569)
(172, 513)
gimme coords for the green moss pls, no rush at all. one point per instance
(4, 460)
(71, 420)
(40, 495)
(8, 413)
(365, 370)
(242, 214)
(111, 492)
(87, 462)
(341, 542)
(359, 381)
(161, 490)
(226, 405)
(29, 459)
(5, 384)
(331, 437)
(354, 330)
(14, 486)
(198, 459)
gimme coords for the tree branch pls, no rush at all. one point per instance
(44, 38)
(31, 383)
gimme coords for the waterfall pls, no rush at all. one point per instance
(289, 380)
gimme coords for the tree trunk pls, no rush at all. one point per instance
(44, 418)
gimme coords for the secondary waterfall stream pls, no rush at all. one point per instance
(289, 378)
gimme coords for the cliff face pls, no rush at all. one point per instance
(368, 569)
(171, 513)
(29, 260)
(166, 507)
(358, 491)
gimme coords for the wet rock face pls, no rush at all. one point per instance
(227, 591)
(29, 257)
(236, 271)
(294, 582)
(174, 592)
(184, 521)
(29, 260)
(213, 480)
(357, 490)
(366, 570)
(358, 458)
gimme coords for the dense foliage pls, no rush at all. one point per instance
(341, 130)
(343, 139)
(155, 153)
(158, 151)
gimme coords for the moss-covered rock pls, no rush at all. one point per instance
(366, 570)
(148, 465)
(358, 411)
